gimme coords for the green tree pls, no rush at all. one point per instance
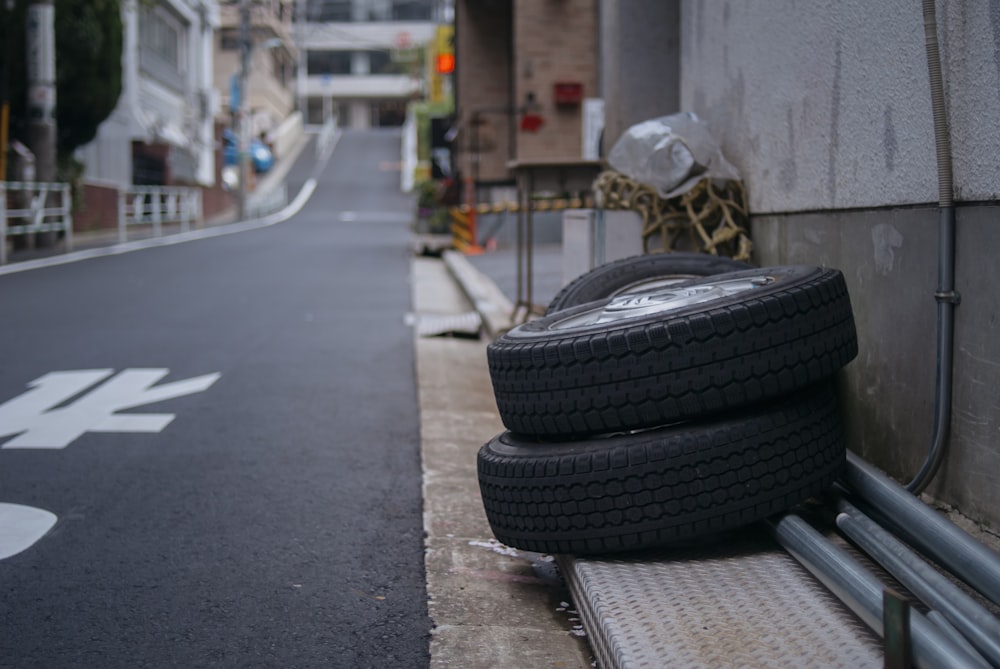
(89, 37)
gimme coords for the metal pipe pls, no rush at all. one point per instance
(924, 528)
(949, 630)
(977, 624)
(946, 296)
(862, 592)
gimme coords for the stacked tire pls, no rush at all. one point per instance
(670, 409)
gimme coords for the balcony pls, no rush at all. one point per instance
(371, 86)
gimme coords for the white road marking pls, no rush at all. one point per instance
(34, 416)
(21, 526)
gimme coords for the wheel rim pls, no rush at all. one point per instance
(647, 285)
(626, 306)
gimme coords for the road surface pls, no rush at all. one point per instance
(226, 434)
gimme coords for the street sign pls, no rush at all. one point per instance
(39, 420)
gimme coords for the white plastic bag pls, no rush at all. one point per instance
(671, 153)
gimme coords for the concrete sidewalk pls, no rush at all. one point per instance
(491, 605)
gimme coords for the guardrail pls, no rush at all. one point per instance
(42, 207)
(262, 203)
(157, 205)
(324, 140)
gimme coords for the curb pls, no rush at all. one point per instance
(493, 306)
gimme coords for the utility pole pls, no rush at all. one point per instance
(41, 61)
(4, 93)
(242, 117)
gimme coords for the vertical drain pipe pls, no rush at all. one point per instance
(946, 296)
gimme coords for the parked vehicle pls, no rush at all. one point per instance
(261, 156)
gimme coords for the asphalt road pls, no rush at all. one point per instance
(275, 521)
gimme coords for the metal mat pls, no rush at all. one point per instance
(742, 603)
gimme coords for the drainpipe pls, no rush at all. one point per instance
(946, 296)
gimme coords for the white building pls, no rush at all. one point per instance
(350, 62)
(161, 132)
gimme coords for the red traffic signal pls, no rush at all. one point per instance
(446, 63)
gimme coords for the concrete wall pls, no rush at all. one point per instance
(825, 108)
(640, 63)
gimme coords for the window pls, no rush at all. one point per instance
(229, 39)
(328, 10)
(328, 62)
(370, 10)
(162, 44)
(411, 10)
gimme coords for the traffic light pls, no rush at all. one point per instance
(445, 63)
(445, 48)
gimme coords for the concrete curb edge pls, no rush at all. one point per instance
(493, 306)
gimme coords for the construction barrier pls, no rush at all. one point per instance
(463, 218)
(463, 230)
(536, 205)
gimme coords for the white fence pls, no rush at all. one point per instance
(28, 208)
(264, 202)
(156, 206)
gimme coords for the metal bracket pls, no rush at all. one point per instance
(896, 630)
(952, 296)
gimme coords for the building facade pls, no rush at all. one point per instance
(161, 131)
(826, 111)
(361, 58)
(271, 69)
(524, 71)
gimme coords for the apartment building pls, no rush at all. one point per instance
(273, 59)
(361, 58)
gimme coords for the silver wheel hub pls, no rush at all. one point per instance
(662, 299)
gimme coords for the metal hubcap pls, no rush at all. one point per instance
(664, 299)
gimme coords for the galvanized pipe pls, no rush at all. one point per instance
(946, 295)
(862, 592)
(924, 528)
(977, 624)
(949, 630)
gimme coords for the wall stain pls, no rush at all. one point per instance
(834, 149)
(995, 25)
(788, 172)
(889, 144)
(885, 239)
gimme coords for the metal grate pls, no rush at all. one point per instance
(743, 604)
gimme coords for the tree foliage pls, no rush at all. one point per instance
(88, 37)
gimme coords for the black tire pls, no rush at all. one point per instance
(638, 273)
(662, 487)
(567, 374)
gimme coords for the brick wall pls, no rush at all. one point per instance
(554, 41)
(483, 86)
(506, 51)
(97, 208)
